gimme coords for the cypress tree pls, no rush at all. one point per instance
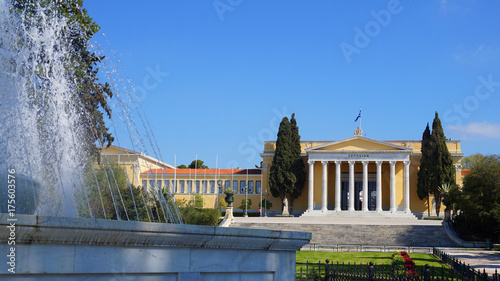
(281, 179)
(297, 163)
(442, 169)
(424, 171)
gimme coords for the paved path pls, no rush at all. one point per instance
(488, 260)
(337, 220)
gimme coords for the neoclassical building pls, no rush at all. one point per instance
(360, 174)
(352, 176)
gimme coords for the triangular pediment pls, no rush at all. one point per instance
(357, 143)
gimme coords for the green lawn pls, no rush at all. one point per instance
(377, 258)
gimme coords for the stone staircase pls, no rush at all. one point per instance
(369, 235)
(359, 214)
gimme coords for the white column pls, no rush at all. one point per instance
(393, 185)
(379, 186)
(365, 186)
(324, 196)
(351, 185)
(407, 186)
(310, 190)
(337, 185)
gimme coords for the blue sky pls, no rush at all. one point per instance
(216, 77)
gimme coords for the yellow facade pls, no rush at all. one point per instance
(208, 184)
(362, 149)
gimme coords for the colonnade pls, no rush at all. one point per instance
(351, 163)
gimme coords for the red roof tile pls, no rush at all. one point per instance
(203, 171)
(465, 172)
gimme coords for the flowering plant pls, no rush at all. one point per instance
(402, 261)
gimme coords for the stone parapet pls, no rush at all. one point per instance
(79, 249)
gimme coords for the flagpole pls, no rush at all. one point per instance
(360, 118)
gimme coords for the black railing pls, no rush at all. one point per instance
(368, 272)
(464, 270)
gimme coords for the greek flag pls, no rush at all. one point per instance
(359, 115)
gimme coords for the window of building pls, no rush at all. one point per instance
(174, 186)
(189, 186)
(250, 187)
(158, 184)
(227, 185)
(167, 185)
(258, 187)
(204, 187)
(144, 184)
(197, 186)
(151, 184)
(212, 186)
(242, 186)
(235, 186)
(181, 187)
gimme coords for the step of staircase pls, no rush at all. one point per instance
(359, 214)
(369, 235)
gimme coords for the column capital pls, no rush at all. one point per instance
(407, 163)
(338, 162)
(365, 162)
(379, 162)
(392, 163)
(351, 162)
(325, 163)
(311, 162)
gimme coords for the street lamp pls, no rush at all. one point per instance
(265, 202)
(246, 201)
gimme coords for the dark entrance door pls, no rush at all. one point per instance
(344, 199)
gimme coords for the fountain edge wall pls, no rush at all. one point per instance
(62, 248)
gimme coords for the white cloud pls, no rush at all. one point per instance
(477, 130)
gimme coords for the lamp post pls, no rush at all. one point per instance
(265, 202)
(246, 200)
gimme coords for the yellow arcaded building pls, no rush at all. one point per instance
(380, 174)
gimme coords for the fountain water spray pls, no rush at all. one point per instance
(43, 133)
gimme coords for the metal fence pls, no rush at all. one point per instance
(368, 272)
(466, 271)
(364, 248)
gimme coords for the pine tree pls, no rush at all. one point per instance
(442, 169)
(281, 179)
(424, 171)
(297, 163)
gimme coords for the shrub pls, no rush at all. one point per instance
(199, 216)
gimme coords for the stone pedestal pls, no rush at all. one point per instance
(229, 214)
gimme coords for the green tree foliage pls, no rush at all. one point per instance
(473, 160)
(242, 205)
(266, 204)
(107, 195)
(287, 175)
(297, 167)
(182, 166)
(479, 199)
(442, 168)
(196, 201)
(423, 184)
(197, 164)
(198, 216)
(281, 178)
(91, 93)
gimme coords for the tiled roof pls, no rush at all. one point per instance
(203, 171)
(465, 172)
